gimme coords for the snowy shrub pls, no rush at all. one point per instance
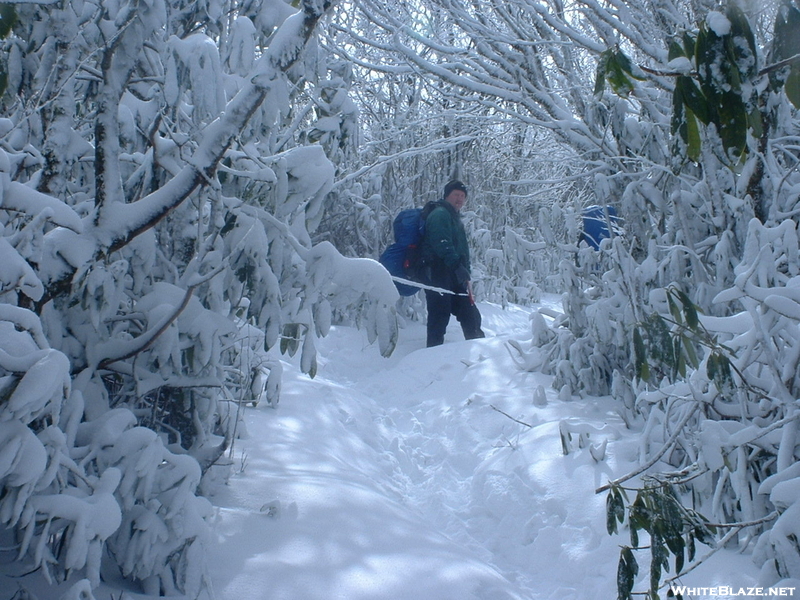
(725, 388)
(163, 533)
(764, 340)
(159, 191)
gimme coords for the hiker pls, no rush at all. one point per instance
(445, 254)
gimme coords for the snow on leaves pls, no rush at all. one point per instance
(93, 518)
(743, 370)
(155, 245)
(195, 63)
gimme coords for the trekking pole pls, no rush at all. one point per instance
(470, 294)
(426, 287)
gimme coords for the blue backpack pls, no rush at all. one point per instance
(402, 259)
(596, 222)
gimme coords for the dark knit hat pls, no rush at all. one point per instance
(454, 185)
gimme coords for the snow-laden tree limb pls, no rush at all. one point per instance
(144, 214)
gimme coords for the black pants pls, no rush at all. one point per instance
(441, 306)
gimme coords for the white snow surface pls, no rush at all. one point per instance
(401, 479)
(398, 478)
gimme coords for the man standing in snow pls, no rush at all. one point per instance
(445, 254)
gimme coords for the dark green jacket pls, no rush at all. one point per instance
(444, 246)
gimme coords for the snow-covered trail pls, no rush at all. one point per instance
(324, 506)
(428, 475)
(400, 478)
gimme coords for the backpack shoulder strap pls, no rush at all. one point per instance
(428, 208)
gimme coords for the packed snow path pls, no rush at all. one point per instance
(430, 475)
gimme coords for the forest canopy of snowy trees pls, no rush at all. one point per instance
(190, 189)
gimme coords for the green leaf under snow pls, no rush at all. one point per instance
(618, 74)
(792, 86)
(755, 122)
(673, 308)
(611, 519)
(693, 140)
(744, 55)
(658, 556)
(681, 366)
(689, 41)
(719, 370)
(690, 352)
(8, 18)
(626, 573)
(693, 98)
(615, 69)
(786, 38)
(634, 537)
(732, 123)
(675, 50)
(679, 561)
(615, 510)
(640, 355)
(689, 311)
(600, 76)
(290, 341)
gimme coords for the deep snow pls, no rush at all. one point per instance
(400, 478)
(435, 474)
